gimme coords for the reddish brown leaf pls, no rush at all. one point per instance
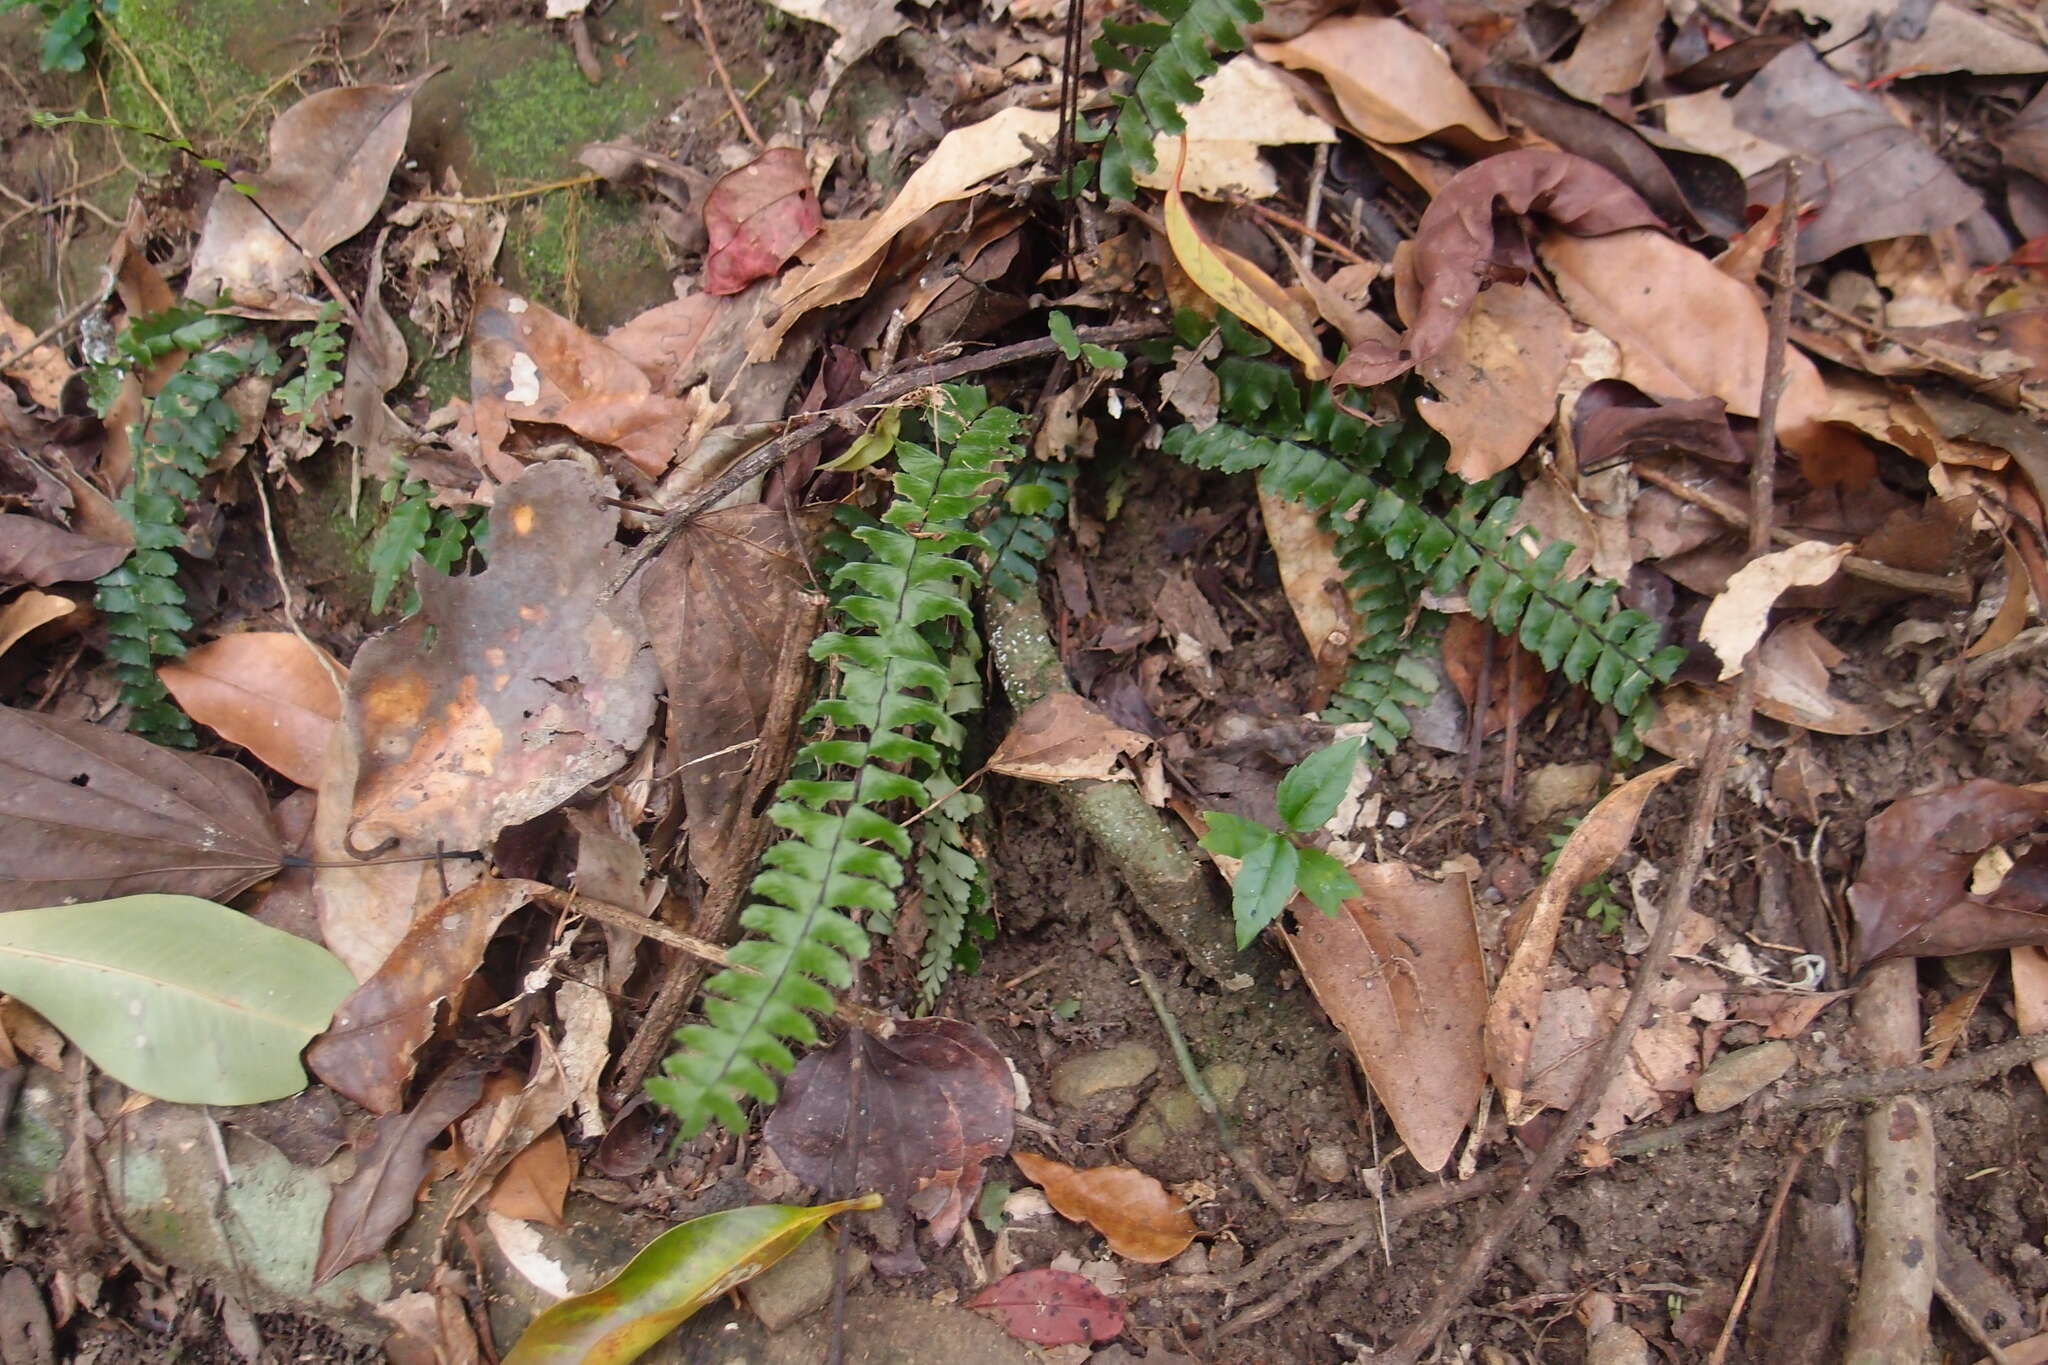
(1455, 248)
(374, 1203)
(87, 813)
(935, 1101)
(367, 1053)
(1516, 682)
(511, 689)
(534, 1183)
(1133, 1212)
(1614, 423)
(1052, 1308)
(268, 691)
(756, 218)
(34, 551)
(1399, 974)
(1912, 896)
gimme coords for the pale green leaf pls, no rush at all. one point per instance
(1308, 795)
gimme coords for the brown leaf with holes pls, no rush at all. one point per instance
(535, 1183)
(1133, 1211)
(368, 1051)
(1913, 896)
(757, 217)
(268, 691)
(376, 1201)
(88, 812)
(1064, 737)
(511, 689)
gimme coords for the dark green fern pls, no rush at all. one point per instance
(1021, 533)
(1169, 62)
(415, 527)
(846, 851)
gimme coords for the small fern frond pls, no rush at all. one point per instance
(953, 880)
(846, 853)
(1021, 534)
(1170, 61)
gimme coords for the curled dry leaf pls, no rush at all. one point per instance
(30, 611)
(1454, 246)
(1064, 737)
(1133, 1212)
(756, 219)
(375, 1202)
(1518, 998)
(511, 689)
(1052, 1308)
(88, 813)
(1912, 896)
(1735, 620)
(367, 1053)
(268, 691)
(1399, 974)
(1237, 284)
(1392, 83)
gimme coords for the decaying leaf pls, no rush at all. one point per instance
(533, 1184)
(513, 1113)
(511, 689)
(1516, 681)
(1792, 668)
(1306, 551)
(376, 1201)
(41, 371)
(1598, 840)
(1239, 285)
(932, 1103)
(1912, 896)
(1064, 737)
(1392, 83)
(367, 1054)
(1052, 1308)
(1735, 620)
(1399, 974)
(87, 813)
(1133, 1212)
(34, 551)
(756, 218)
(1245, 105)
(331, 156)
(1497, 379)
(267, 691)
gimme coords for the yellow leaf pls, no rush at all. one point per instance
(873, 444)
(1247, 291)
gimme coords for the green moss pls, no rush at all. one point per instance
(528, 123)
(186, 50)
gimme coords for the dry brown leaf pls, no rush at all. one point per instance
(1064, 737)
(1945, 38)
(28, 611)
(1913, 895)
(377, 361)
(268, 691)
(42, 371)
(1400, 976)
(367, 1052)
(1497, 379)
(1518, 998)
(1516, 682)
(34, 551)
(1247, 291)
(1612, 52)
(2030, 997)
(1314, 582)
(1392, 84)
(1245, 105)
(1133, 1212)
(511, 689)
(1736, 619)
(535, 1183)
(1792, 667)
(376, 1201)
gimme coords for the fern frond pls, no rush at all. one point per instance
(954, 882)
(846, 853)
(321, 376)
(1020, 535)
(1170, 61)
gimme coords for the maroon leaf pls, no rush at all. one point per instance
(757, 217)
(1052, 1308)
(33, 551)
(1615, 423)
(375, 1202)
(1912, 896)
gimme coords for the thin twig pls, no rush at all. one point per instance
(284, 588)
(1327, 242)
(739, 110)
(1766, 1242)
(504, 196)
(1318, 171)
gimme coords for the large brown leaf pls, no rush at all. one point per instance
(1399, 974)
(88, 813)
(717, 601)
(374, 1203)
(929, 1105)
(1391, 83)
(331, 156)
(367, 1052)
(34, 551)
(510, 690)
(268, 691)
(1912, 896)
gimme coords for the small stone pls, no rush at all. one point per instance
(1080, 1079)
(1169, 1116)
(800, 1283)
(1226, 1256)
(1556, 788)
(1193, 1261)
(1735, 1076)
(1618, 1344)
(1329, 1163)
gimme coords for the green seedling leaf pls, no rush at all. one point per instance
(1062, 329)
(674, 1275)
(1308, 795)
(1325, 881)
(1102, 358)
(988, 1210)
(1232, 836)
(872, 445)
(1264, 885)
(174, 996)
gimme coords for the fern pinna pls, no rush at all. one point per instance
(846, 850)
(1169, 61)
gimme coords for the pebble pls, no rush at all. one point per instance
(1618, 1344)
(1171, 1115)
(800, 1283)
(1080, 1079)
(1735, 1076)
(1557, 789)
(1329, 1163)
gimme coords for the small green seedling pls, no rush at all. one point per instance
(1275, 863)
(1601, 906)
(1073, 348)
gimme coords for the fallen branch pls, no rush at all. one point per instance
(1888, 1318)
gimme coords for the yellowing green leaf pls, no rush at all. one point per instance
(174, 996)
(872, 445)
(1249, 292)
(673, 1276)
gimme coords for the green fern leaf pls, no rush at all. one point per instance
(1170, 60)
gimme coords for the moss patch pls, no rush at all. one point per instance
(528, 123)
(200, 58)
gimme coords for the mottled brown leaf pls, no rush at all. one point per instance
(1064, 737)
(510, 690)
(367, 1053)
(1912, 896)
(88, 813)
(1133, 1212)
(1052, 1308)
(756, 218)
(268, 691)
(374, 1203)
